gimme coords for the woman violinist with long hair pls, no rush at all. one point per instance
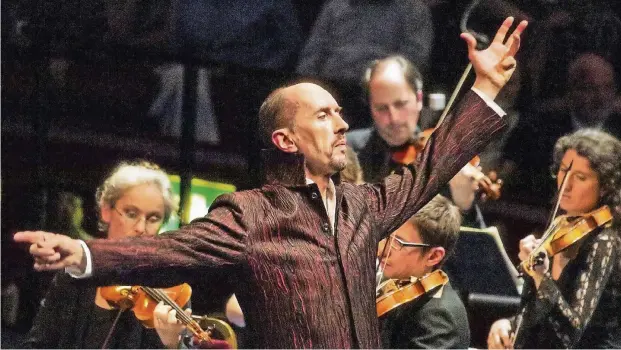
(573, 299)
(136, 199)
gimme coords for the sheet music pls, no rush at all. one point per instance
(493, 231)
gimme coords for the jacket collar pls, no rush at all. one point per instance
(287, 169)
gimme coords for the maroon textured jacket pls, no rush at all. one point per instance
(299, 284)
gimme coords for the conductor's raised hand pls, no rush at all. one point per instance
(53, 251)
(495, 65)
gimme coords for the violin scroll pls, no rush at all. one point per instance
(118, 297)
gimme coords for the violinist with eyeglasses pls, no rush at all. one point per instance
(572, 292)
(417, 306)
(135, 200)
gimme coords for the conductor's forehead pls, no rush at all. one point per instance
(309, 96)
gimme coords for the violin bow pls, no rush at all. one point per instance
(112, 328)
(548, 232)
(454, 94)
(447, 108)
(481, 40)
(559, 194)
(388, 245)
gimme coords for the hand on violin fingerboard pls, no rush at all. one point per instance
(167, 325)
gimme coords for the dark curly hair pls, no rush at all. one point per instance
(603, 152)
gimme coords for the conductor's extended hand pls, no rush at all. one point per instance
(53, 251)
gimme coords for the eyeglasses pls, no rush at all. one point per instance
(398, 244)
(132, 218)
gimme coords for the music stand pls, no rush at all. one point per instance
(485, 278)
(479, 264)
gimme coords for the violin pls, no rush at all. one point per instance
(489, 184)
(566, 234)
(393, 293)
(143, 300)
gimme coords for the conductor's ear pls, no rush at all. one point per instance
(282, 139)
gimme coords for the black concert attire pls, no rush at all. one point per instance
(583, 308)
(69, 319)
(435, 322)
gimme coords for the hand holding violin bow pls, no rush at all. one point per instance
(500, 335)
(489, 186)
(534, 258)
(562, 238)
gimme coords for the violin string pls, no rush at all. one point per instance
(159, 295)
(181, 315)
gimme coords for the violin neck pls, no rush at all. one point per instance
(549, 232)
(160, 296)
